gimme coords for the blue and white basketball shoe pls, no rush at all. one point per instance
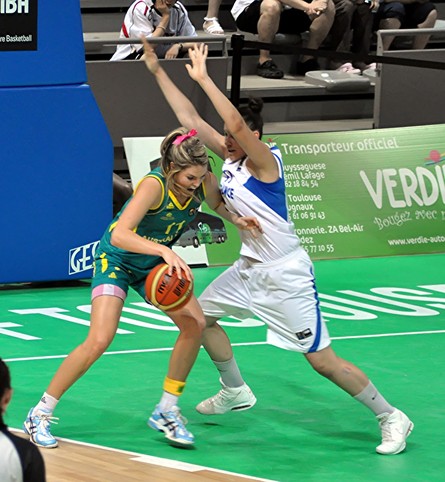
(172, 423)
(38, 429)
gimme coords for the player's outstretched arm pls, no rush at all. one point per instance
(184, 110)
(258, 152)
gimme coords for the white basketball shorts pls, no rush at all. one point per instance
(280, 293)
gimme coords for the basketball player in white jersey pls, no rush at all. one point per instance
(273, 278)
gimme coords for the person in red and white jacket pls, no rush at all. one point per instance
(155, 18)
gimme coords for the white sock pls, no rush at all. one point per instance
(168, 400)
(47, 404)
(230, 374)
(372, 398)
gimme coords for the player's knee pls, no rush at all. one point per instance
(323, 368)
(192, 325)
(96, 347)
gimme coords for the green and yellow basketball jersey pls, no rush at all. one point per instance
(163, 224)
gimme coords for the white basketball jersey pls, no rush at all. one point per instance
(247, 196)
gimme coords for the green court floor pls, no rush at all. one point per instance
(387, 315)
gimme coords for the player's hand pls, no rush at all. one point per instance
(150, 58)
(198, 56)
(249, 223)
(176, 262)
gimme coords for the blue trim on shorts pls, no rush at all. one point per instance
(316, 343)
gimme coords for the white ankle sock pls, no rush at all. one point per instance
(230, 374)
(372, 398)
(168, 400)
(46, 404)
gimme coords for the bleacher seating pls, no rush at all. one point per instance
(288, 101)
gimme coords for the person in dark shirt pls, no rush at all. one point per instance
(20, 460)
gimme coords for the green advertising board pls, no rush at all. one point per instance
(377, 192)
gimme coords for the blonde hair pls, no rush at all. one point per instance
(177, 157)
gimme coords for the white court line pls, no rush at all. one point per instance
(152, 350)
(150, 459)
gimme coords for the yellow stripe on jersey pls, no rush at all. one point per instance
(162, 190)
(177, 203)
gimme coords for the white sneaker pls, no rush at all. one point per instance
(395, 428)
(228, 399)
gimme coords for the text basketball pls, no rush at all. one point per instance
(167, 292)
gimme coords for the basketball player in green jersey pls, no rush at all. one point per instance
(165, 201)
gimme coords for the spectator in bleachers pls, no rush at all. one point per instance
(211, 23)
(268, 17)
(352, 32)
(395, 14)
(155, 18)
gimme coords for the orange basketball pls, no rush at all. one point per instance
(167, 292)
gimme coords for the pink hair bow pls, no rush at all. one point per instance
(181, 139)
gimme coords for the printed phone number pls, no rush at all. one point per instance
(318, 248)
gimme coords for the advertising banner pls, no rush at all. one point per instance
(18, 25)
(361, 193)
(377, 192)
(367, 193)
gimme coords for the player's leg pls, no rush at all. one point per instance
(290, 307)
(394, 424)
(105, 314)
(167, 416)
(226, 296)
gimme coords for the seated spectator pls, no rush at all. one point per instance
(155, 18)
(351, 32)
(19, 458)
(406, 14)
(211, 23)
(267, 17)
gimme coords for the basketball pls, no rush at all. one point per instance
(167, 292)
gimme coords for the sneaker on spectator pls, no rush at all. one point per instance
(212, 26)
(38, 428)
(269, 70)
(172, 423)
(228, 399)
(307, 66)
(348, 68)
(395, 428)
